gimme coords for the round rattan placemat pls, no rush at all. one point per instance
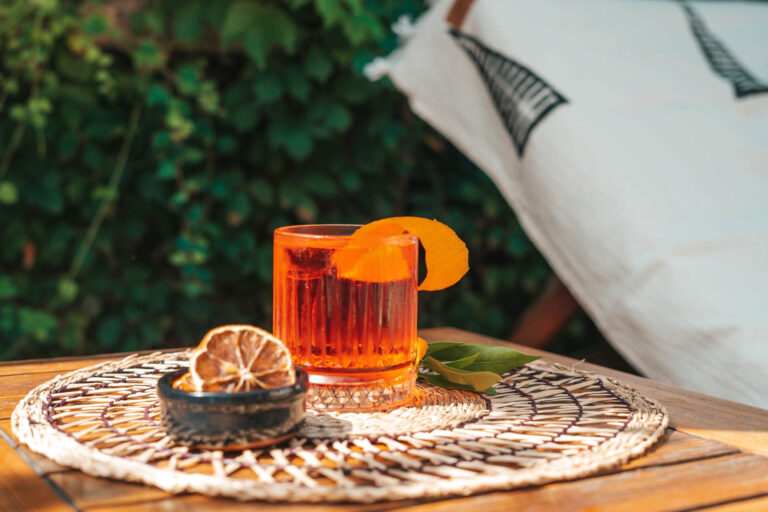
(546, 423)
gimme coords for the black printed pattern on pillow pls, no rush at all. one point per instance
(522, 99)
(720, 59)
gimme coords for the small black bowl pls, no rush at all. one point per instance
(231, 421)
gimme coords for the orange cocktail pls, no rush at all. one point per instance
(348, 314)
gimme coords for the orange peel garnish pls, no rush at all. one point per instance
(446, 255)
(421, 349)
(365, 258)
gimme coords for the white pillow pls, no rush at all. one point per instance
(631, 139)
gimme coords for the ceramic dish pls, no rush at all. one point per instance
(231, 421)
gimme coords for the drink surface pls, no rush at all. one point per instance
(336, 325)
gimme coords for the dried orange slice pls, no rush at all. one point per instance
(446, 255)
(185, 383)
(234, 358)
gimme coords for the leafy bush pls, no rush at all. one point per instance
(146, 157)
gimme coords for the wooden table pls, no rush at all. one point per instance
(715, 457)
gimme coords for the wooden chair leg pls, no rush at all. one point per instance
(551, 311)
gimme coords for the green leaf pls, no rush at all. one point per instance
(461, 363)
(166, 171)
(331, 11)
(239, 17)
(479, 380)
(339, 117)
(108, 193)
(489, 358)
(297, 84)
(188, 20)
(157, 96)
(439, 380)
(458, 351)
(148, 55)
(299, 144)
(268, 88)
(188, 80)
(93, 157)
(67, 289)
(7, 288)
(244, 117)
(95, 24)
(296, 140)
(9, 194)
(259, 28)
(193, 155)
(37, 323)
(317, 64)
(109, 331)
(296, 4)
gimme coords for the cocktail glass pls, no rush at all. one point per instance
(351, 327)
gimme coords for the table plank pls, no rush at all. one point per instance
(729, 422)
(63, 364)
(90, 493)
(43, 464)
(759, 504)
(679, 447)
(21, 488)
(190, 503)
(660, 488)
(727, 480)
(15, 387)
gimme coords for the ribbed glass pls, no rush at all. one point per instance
(356, 339)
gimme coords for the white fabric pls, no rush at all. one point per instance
(648, 190)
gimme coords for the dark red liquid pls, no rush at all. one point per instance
(336, 325)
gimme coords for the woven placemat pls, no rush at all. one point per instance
(546, 423)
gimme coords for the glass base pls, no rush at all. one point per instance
(351, 391)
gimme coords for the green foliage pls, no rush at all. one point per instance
(470, 366)
(143, 167)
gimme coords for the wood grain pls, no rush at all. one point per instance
(759, 504)
(679, 447)
(23, 489)
(44, 464)
(698, 464)
(62, 364)
(15, 387)
(91, 492)
(660, 488)
(728, 422)
(94, 493)
(204, 504)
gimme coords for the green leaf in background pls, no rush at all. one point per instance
(259, 28)
(37, 323)
(8, 193)
(95, 24)
(316, 142)
(68, 289)
(188, 21)
(7, 288)
(317, 64)
(148, 55)
(297, 84)
(268, 88)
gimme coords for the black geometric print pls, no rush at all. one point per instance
(522, 99)
(720, 59)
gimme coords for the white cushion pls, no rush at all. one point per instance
(645, 183)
